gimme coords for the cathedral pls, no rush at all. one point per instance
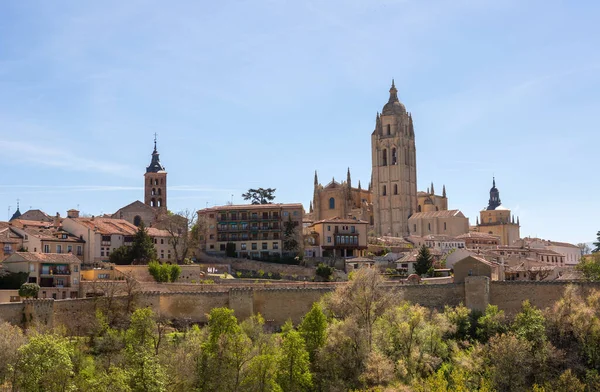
(391, 197)
(498, 220)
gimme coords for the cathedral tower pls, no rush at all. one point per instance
(155, 182)
(394, 168)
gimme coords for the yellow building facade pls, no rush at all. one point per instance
(497, 220)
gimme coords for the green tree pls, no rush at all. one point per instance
(424, 261)
(45, 364)
(260, 195)
(290, 244)
(491, 323)
(164, 272)
(529, 324)
(174, 272)
(121, 256)
(324, 271)
(11, 338)
(142, 248)
(29, 290)
(313, 329)
(590, 267)
(294, 373)
(597, 243)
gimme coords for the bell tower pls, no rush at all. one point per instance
(394, 168)
(155, 182)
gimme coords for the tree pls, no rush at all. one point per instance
(424, 261)
(324, 271)
(11, 338)
(290, 244)
(590, 267)
(584, 248)
(314, 329)
(491, 323)
(121, 255)
(294, 374)
(45, 364)
(28, 290)
(260, 195)
(142, 248)
(597, 243)
(164, 272)
(184, 232)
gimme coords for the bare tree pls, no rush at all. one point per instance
(584, 248)
(183, 232)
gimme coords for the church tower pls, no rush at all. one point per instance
(394, 168)
(155, 182)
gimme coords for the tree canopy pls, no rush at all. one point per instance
(260, 195)
(424, 261)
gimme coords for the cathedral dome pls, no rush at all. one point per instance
(394, 106)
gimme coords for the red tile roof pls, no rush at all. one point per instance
(108, 226)
(67, 258)
(437, 214)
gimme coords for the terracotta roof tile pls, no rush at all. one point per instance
(437, 214)
(43, 257)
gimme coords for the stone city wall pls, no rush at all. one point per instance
(278, 304)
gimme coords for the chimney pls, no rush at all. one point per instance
(73, 213)
(57, 220)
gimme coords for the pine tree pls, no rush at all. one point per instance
(597, 243)
(142, 249)
(424, 261)
(290, 243)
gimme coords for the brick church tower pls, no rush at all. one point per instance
(155, 182)
(394, 168)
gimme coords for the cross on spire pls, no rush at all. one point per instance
(155, 134)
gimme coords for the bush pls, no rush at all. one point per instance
(324, 271)
(28, 290)
(164, 272)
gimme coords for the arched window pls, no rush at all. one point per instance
(384, 157)
(331, 203)
(395, 189)
(436, 207)
(394, 156)
(159, 192)
(155, 182)
(153, 192)
(137, 220)
(159, 202)
(153, 203)
(389, 129)
(151, 181)
(419, 208)
(384, 191)
(429, 226)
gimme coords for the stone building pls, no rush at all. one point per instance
(256, 230)
(498, 220)
(450, 223)
(394, 168)
(340, 200)
(337, 237)
(429, 201)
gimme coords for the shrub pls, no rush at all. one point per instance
(164, 272)
(28, 290)
(174, 272)
(324, 271)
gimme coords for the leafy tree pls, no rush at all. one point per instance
(174, 272)
(142, 248)
(597, 243)
(290, 244)
(11, 338)
(294, 374)
(529, 324)
(28, 290)
(260, 195)
(324, 271)
(121, 256)
(590, 267)
(491, 323)
(424, 261)
(313, 329)
(45, 364)
(164, 272)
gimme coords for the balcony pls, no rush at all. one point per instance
(55, 269)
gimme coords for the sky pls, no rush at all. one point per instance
(247, 94)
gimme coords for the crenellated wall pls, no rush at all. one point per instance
(279, 304)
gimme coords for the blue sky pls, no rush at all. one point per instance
(261, 93)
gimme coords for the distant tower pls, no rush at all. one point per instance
(155, 182)
(394, 168)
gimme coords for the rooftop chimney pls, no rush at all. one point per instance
(57, 220)
(73, 213)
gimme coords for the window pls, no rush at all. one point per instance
(137, 220)
(275, 236)
(389, 129)
(103, 276)
(265, 246)
(329, 240)
(58, 248)
(429, 226)
(211, 236)
(384, 157)
(384, 191)
(102, 253)
(159, 192)
(328, 228)
(79, 250)
(286, 213)
(395, 189)
(222, 247)
(46, 248)
(444, 225)
(352, 229)
(254, 246)
(414, 227)
(243, 246)
(331, 203)
(76, 268)
(69, 248)
(394, 156)
(211, 246)
(162, 241)
(275, 245)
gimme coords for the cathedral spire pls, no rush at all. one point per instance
(348, 179)
(359, 188)
(393, 93)
(310, 208)
(432, 191)
(518, 223)
(477, 221)
(444, 191)
(316, 180)
(494, 201)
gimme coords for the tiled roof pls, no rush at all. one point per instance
(7, 236)
(43, 257)
(30, 223)
(107, 226)
(51, 233)
(337, 219)
(250, 207)
(154, 232)
(437, 214)
(478, 235)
